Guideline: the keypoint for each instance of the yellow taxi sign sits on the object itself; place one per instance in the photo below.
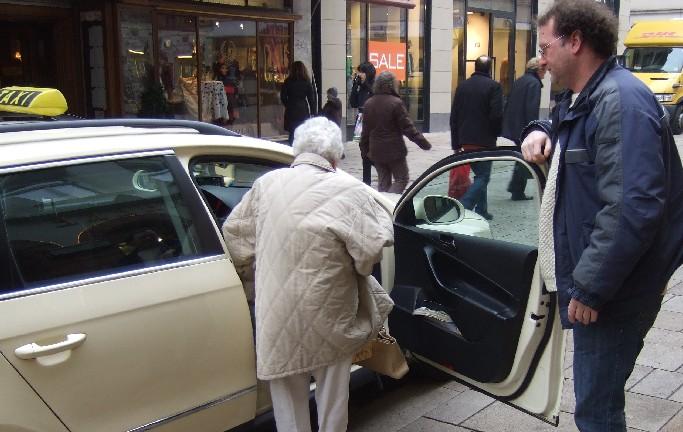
(33, 100)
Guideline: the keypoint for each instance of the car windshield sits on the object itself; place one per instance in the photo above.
(654, 59)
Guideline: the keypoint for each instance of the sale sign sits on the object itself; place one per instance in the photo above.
(389, 56)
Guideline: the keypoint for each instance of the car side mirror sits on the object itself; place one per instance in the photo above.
(621, 61)
(442, 210)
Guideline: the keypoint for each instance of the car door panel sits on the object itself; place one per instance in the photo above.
(473, 305)
(150, 353)
(486, 312)
(20, 407)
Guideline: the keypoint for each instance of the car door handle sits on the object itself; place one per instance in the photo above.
(33, 350)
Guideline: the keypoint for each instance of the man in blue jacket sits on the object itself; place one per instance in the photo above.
(611, 218)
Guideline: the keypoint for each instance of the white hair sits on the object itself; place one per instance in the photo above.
(320, 136)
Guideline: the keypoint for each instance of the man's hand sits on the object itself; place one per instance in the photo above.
(536, 147)
(578, 311)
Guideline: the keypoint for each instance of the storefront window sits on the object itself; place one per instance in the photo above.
(273, 67)
(141, 93)
(523, 36)
(178, 65)
(356, 47)
(492, 5)
(415, 68)
(477, 39)
(458, 42)
(272, 4)
(502, 35)
(229, 90)
(391, 38)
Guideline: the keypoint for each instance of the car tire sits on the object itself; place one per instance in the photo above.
(677, 120)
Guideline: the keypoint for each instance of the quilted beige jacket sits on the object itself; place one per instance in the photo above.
(314, 235)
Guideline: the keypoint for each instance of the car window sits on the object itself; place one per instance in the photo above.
(448, 203)
(76, 221)
(224, 182)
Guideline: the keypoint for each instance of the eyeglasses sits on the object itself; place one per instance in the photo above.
(541, 50)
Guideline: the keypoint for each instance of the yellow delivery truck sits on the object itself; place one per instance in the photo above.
(654, 53)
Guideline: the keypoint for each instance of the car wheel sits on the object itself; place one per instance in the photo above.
(677, 120)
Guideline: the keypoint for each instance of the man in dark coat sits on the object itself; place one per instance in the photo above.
(521, 109)
(476, 119)
(611, 218)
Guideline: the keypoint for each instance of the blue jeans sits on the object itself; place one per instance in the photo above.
(476, 198)
(604, 356)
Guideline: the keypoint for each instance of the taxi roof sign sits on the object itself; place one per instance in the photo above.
(47, 102)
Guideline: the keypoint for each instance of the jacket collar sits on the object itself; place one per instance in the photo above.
(580, 106)
(596, 79)
(313, 159)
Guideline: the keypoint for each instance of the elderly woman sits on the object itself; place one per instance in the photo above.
(314, 235)
(385, 121)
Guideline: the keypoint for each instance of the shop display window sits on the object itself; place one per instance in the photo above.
(273, 67)
(178, 65)
(523, 37)
(142, 94)
(228, 64)
(392, 38)
(458, 44)
(356, 48)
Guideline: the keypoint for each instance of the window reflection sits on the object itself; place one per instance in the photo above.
(137, 70)
(177, 65)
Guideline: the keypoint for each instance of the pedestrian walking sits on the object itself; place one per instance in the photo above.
(385, 122)
(313, 236)
(298, 97)
(611, 218)
(361, 90)
(476, 120)
(521, 109)
(332, 110)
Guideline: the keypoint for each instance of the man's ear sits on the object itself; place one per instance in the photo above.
(576, 41)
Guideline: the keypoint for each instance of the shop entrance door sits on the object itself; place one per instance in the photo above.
(491, 33)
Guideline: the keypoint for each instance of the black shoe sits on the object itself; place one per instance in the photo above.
(521, 197)
(486, 215)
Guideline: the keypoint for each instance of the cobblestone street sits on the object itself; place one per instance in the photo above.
(655, 390)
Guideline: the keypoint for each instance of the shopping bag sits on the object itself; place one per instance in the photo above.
(459, 181)
(386, 357)
(358, 130)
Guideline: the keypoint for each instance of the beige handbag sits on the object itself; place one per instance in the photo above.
(383, 355)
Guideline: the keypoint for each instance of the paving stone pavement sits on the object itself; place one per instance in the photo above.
(654, 391)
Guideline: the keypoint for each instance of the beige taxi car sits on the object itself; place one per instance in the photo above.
(120, 309)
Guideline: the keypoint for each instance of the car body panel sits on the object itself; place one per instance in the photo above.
(17, 396)
(183, 332)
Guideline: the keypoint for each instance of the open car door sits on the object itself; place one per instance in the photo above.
(469, 297)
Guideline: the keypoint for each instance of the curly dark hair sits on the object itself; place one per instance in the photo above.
(597, 24)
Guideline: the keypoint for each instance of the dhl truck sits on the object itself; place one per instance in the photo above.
(654, 53)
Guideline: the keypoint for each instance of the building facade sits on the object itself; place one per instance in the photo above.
(163, 58)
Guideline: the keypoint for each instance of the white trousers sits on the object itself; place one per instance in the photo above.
(290, 399)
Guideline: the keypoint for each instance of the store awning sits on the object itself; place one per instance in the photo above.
(409, 4)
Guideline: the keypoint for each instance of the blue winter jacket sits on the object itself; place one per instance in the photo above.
(618, 221)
